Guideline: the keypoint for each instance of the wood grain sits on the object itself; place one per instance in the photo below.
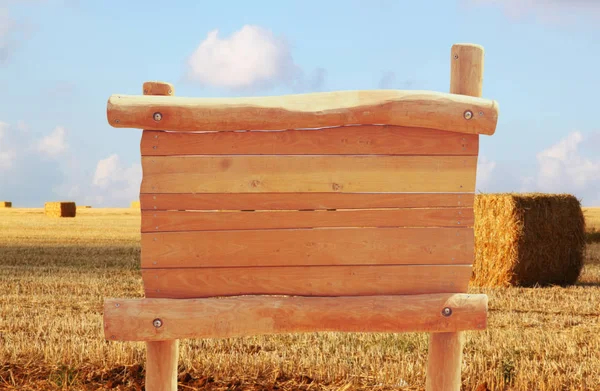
(348, 140)
(444, 360)
(178, 221)
(306, 281)
(230, 317)
(423, 109)
(158, 88)
(284, 174)
(294, 247)
(466, 69)
(162, 358)
(294, 201)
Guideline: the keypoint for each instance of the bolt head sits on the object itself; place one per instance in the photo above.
(157, 323)
(447, 311)
(117, 305)
(157, 116)
(468, 114)
(456, 56)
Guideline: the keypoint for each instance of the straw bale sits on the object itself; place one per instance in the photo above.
(135, 204)
(5, 204)
(528, 239)
(60, 209)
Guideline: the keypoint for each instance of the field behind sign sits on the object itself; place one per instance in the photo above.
(54, 274)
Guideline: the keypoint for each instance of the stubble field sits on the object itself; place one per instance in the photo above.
(55, 273)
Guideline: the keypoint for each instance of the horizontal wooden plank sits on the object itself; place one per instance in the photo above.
(348, 140)
(306, 281)
(284, 174)
(424, 109)
(294, 201)
(132, 319)
(177, 221)
(289, 247)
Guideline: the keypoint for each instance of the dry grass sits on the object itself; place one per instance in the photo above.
(592, 218)
(54, 274)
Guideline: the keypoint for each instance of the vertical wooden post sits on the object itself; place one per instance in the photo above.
(161, 365)
(446, 349)
(161, 356)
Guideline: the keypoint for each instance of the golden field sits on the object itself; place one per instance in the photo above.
(55, 273)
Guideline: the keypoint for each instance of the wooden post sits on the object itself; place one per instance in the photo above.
(446, 349)
(161, 356)
(161, 365)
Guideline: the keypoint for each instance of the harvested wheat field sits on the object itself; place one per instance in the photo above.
(54, 274)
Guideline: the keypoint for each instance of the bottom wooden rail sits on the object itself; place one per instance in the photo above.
(170, 319)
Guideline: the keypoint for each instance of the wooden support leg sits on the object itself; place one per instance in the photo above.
(444, 361)
(161, 365)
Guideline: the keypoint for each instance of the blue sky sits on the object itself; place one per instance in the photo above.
(61, 60)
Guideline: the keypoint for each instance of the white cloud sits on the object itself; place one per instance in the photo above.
(252, 57)
(7, 26)
(562, 168)
(547, 10)
(53, 144)
(115, 183)
(485, 168)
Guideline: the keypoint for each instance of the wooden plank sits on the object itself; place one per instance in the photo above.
(294, 201)
(284, 174)
(177, 221)
(131, 319)
(421, 109)
(306, 281)
(293, 247)
(349, 140)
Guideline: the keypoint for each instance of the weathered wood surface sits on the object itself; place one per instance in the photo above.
(290, 174)
(303, 247)
(422, 109)
(347, 140)
(466, 69)
(158, 88)
(229, 317)
(179, 221)
(306, 281)
(294, 201)
(162, 358)
(444, 360)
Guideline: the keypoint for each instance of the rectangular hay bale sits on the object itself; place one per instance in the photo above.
(527, 239)
(135, 204)
(60, 209)
(5, 204)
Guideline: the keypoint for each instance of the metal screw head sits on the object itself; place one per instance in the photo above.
(157, 116)
(481, 113)
(157, 323)
(468, 114)
(117, 305)
(447, 311)
(154, 147)
(456, 56)
(117, 121)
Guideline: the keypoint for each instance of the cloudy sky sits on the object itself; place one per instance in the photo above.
(61, 60)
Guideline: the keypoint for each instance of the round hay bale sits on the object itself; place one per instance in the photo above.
(528, 239)
(5, 204)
